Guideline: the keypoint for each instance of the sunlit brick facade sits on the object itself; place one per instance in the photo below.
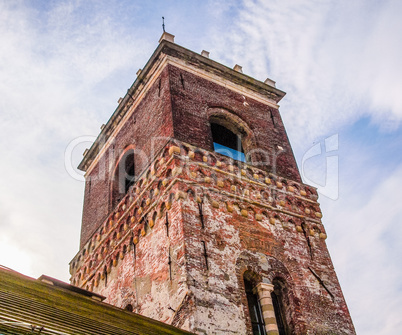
(198, 239)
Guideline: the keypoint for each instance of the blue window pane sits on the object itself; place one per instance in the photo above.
(237, 155)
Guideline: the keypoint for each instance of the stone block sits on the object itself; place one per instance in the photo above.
(174, 150)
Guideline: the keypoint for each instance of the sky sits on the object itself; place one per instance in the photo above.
(64, 64)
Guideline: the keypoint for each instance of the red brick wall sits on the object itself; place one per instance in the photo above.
(147, 129)
(256, 226)
(261, 220)
(181, 108)
(193, 100)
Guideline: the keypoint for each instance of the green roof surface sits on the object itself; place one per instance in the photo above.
(34, 306)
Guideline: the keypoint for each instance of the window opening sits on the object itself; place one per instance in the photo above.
(182, 80)
(273, 119)
(205, 254)
(254, 307)
(278, 314)
(281, 306)
(170, 265)
(124, 177)
(201, 215)
(129, 177)
(227, 143)
(167, 224)
(105, 274)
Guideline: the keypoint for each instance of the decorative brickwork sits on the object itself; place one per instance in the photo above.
(177, 246)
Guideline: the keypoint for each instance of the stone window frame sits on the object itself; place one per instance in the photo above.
(264, 278)
(237, 126)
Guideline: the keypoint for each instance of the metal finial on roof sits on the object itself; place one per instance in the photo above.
(163, 23)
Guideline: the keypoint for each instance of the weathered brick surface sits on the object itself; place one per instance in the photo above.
(196, 100)
(257, 227)
(146, 130)
(181, 105)
(179, 244)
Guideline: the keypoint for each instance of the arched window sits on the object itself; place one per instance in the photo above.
(227, 143)
(124, 177)
(257, 321)
(281, 306)
(128, 172)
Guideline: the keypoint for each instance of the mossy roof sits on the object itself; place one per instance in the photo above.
(31, 306)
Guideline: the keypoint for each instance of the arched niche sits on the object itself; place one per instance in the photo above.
(123, 176)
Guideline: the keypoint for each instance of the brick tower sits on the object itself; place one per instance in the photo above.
(195, 213)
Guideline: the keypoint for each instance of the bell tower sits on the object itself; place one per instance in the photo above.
(195, 213)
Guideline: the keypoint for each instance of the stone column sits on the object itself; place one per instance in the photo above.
(263, 291)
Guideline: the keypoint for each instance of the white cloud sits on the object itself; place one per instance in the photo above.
(336, 60)
(58, 69)
(364, 240)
